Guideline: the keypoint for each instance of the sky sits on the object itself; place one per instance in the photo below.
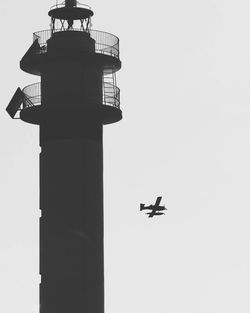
(185, 136)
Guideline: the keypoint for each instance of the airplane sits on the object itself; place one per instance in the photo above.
(155, 208)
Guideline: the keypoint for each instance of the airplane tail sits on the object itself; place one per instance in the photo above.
(142, 206)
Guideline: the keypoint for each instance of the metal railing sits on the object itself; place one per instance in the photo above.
(78, 5)
(111, 95)
(32, 95)
(105, 43)
(42, 37)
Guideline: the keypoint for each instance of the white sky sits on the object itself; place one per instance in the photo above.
(185, 96)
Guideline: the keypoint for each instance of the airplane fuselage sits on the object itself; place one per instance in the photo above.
(154, 208)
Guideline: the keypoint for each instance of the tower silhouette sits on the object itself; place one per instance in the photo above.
(77, 95)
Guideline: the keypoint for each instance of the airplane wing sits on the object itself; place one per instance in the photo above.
(158, 200)
(151, 214)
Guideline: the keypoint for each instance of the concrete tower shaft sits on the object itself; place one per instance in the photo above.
(71, 174)
(71, 226)
(76, 96)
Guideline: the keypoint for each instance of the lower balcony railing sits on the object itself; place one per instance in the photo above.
(32, 95)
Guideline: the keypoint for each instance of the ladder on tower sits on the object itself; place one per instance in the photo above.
(110, 96)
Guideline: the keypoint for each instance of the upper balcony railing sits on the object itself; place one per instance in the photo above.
(105, 43)
(32, 95)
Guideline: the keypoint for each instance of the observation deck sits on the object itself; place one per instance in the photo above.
(31, 108)
(106, 50)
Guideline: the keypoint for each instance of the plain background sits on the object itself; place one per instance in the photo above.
(185, 96)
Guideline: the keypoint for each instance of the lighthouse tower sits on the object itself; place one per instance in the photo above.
(76, 96)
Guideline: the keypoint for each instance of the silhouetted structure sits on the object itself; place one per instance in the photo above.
(155, 208)
(76, 96)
